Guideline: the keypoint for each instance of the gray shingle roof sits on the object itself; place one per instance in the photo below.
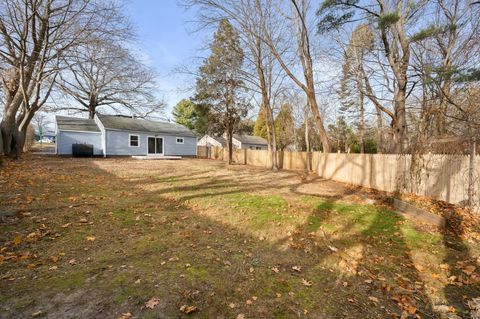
(66, 123)
(250, 139)
(140, 125)
(220, 140)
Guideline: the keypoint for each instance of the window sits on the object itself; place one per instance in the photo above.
(258, 147)
(179, 140)
(134, 141)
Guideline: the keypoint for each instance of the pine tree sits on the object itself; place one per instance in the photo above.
(260, 128)
(285, 127)
(219, 84)
(185, 113)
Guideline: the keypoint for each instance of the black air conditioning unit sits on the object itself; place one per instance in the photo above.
(82, 150)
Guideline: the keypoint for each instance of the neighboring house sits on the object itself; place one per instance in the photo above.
(120, 135)
(208, 140)
(45, 137)
(239, 142)
(249, 142)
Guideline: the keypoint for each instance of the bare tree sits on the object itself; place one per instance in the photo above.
(35, 36)
(393, 18)
(101, 74)
(260, 72)
(294, 20)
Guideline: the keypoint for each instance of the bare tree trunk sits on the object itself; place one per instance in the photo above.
(91, 111)
(399, 122)
(361, 129)
(229, 144)
(380, 148)
(272, 139)
(7, 126)
(307, 139)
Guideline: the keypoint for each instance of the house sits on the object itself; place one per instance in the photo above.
(112, 135)
(47, 136)
(208, 140)
(249, 142)
(239, 142)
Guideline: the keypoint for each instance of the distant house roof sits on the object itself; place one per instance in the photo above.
(250, 139)
(220, 140)
(65, 123)
(123, 123)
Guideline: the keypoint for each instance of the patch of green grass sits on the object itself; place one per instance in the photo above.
(261, 209)
(372, 221)
(73, 280)
(127, 217)
(419, 239)
(197, 272)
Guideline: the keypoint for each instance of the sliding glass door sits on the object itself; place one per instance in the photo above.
(155, 145)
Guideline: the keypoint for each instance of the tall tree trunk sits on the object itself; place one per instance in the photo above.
(7, 125)
(399, 124)
(91, 112)
(312, 101)
(380, 148)
(271, 135)
(307, 139)
(272, 138)
(361, 128)
(229, 144)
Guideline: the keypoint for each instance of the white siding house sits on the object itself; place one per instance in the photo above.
(239, 142)
(208, 140)
(118, 135)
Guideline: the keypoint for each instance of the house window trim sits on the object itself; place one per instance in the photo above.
(130, 140)
(177, 142)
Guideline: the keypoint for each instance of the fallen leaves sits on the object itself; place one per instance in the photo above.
(90, 239)
(307, 282)
(474, 306)
(152, 303)
(17, 240)
(469, 270)
(188, 309)
(333, 248)
(297, 268)
(126, 315)
(374, 299)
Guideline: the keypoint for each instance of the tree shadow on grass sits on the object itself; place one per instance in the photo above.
(373, 255)
(183, 256)
(463, 283)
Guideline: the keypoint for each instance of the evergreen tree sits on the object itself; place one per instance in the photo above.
(219, 85)
(260, 128)
(185, 113)
(285, 127)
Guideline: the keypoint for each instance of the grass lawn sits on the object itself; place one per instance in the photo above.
(105, 238)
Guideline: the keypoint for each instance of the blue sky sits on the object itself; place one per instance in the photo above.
(166, 43)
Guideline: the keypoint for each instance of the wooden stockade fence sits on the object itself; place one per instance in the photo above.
(443, 177)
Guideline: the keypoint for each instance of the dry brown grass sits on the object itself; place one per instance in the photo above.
(100, 237)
